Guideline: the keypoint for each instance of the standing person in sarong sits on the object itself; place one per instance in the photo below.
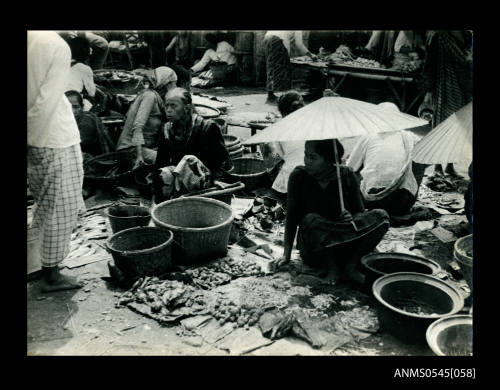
(326, 237)
(447, 75)
(277, 51)
(55, 170)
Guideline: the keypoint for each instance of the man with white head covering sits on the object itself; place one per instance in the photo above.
(389, 178)
(145, 118)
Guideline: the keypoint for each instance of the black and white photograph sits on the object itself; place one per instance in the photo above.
(262, 193)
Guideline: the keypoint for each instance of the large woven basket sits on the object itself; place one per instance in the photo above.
(249, 170)
(201, 227)
(144, 250)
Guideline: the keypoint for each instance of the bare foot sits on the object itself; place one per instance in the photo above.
(63, 282)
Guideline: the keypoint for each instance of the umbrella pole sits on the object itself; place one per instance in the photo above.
(337, 165)
(341, 195)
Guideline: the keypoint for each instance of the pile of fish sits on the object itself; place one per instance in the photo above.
(363, 63)
(342, 54)
(225, 310)
(409, 66)
(441, 183)
(265, 213)
(222, 271)
(163, 300)
(207, 278)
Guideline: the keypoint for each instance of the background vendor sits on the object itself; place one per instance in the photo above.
(187, 133)
(81, 76)
(145, 118)
(219, 51)
(277, 51)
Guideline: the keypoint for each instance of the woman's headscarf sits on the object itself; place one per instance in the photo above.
(158, 77)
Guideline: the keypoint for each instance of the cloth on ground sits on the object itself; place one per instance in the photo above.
(189, 175)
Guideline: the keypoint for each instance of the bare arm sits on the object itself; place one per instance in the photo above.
(171, 44)
(299, 44)
(88, 82)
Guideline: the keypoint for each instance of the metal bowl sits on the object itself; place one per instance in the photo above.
(408, 302)
(451, 336)
(380, 264)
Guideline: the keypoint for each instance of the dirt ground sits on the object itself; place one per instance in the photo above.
(87, 321)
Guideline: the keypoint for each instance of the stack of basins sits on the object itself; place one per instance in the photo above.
(233, 146)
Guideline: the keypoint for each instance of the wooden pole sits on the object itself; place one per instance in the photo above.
(337, 165)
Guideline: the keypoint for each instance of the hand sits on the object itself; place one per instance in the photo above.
(313, 56)
(279, 262)
(138, 162)
(345, 216)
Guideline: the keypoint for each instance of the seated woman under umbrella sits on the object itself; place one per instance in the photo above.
(145, 117)
(191, 151)
(329, 238)
(389, 178)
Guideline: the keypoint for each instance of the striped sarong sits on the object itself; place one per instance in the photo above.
(55, 178)
(448, 74)
(277, 65)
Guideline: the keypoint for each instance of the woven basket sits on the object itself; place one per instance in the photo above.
(201, 227)
(250, 171)
(143, 250)
(95, 169)
(123, 217)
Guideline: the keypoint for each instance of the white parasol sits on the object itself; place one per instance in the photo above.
(449, 142)
(336, 117)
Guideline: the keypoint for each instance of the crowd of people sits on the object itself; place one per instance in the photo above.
(163, 131)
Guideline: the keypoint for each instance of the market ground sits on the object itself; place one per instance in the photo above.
(86, 321)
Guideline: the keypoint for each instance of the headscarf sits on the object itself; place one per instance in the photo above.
(163, 76)
(158, 77)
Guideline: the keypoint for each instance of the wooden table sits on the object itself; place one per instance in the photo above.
(389, 76)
